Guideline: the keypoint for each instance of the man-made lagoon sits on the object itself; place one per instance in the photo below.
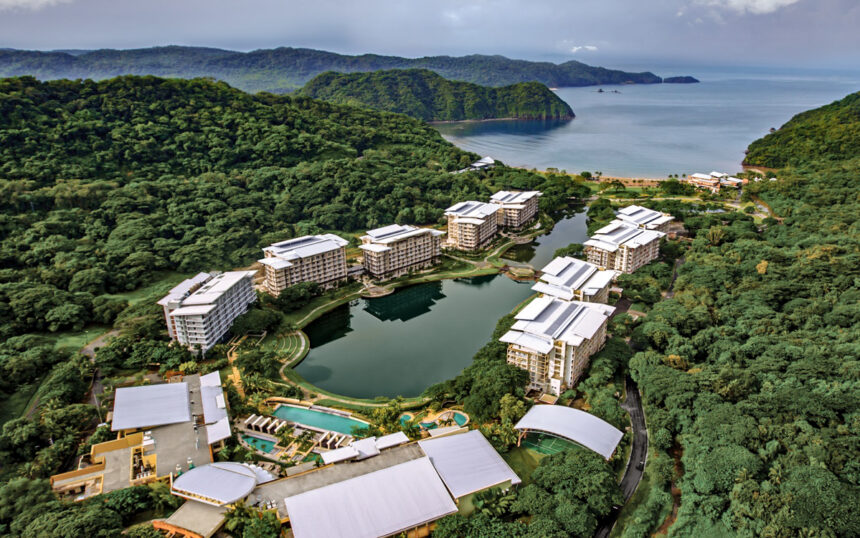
(401, 344)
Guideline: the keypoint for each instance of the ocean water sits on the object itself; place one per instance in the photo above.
(655, 130)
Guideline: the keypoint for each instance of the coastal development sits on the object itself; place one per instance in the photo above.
(200, 310)
(553, 339)
(311, 258)
(623, 247)
(395, 250)
(714, 181)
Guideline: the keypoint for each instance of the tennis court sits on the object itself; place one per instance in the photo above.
(546, 444)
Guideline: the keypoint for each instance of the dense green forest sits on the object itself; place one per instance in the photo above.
(425, 95)
(286, 69)
(831, 132)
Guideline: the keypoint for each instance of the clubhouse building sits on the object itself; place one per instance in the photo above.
(395, 250)
(311, 258)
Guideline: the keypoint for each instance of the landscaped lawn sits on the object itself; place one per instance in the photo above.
(523, 461)
(14, 406)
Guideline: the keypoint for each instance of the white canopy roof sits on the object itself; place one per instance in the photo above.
(578, 426)
(150, 405)
(467, 463)
(380, 503)
(217, 483)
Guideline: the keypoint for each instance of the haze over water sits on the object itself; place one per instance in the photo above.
(655, 130)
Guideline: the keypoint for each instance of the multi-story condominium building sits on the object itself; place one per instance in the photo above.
(200, 310)
(395, 250)
(645, 218)
(473, 225)
(571, 279)
(519, 207)
(312, 258)
(620, 246)
(553, 340)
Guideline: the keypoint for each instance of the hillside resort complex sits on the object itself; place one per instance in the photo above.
(311, 258)
(628, 242)
(553, 340)
(713, 181)
(395, 250)
(473, 225)
(200, 310)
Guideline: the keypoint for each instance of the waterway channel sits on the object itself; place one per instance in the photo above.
(420, 335)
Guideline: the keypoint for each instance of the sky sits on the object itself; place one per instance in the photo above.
(614, 33)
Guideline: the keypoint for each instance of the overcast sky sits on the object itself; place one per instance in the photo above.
(809, 33)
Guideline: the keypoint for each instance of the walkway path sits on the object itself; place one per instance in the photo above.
(235, 377)
(638, 454)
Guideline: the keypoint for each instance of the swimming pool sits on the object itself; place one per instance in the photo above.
(318, 419)
(460, 418)
(259, 443)
(405, 419)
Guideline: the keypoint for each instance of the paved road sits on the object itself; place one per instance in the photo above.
(638, 453)
(90, 351)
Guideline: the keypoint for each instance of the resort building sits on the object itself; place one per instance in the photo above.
(200, 310)
(383, 487)
(572, 424)
(473, 225)
(519, 207)
(162, 430)
(312, 258)
(622, 247)
(395, 250)
(484, 163)
(645, 218)
(571, 279)
(704, 181)
(553, 340)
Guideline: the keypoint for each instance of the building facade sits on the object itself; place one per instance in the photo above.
(200, 310)
(571, 279)
(473, 225)
(394, 250)
(620, 246)
(311, 258)
(553, 341)
(519, 208)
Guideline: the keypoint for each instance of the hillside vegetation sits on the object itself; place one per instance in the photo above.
(426, 95)
(831, 132)
(286, 69)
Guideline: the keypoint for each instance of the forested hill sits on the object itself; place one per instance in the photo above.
(752, 370)
(102, 184)
(428, 96)
(286, 69)
(830, 132)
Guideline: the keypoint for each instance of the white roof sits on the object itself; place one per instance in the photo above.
(366, 447)
(150, 405)
(223, 483)
(306, 246)
(508, 198)
(212, 397)
(196, 310)
(467, 463)
(275, 263)
(373, 247)
(485, 160)
(703, 177)
(394, 233)
(218, 431)
(619, 233)
(578, 426)
(183, 288)
(564, 275)
(643, 217)
(339, 454)
(546, 320)
(472, 210)
(380, 503)
(217, 286)
(391, 440)
(714, 173)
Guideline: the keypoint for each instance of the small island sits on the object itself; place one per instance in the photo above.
(680, 80)
(428, 96)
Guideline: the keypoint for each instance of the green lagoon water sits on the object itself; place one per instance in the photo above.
(401, 344)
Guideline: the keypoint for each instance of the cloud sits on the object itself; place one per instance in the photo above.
(29, 4)
(756, 7)
(577, 48)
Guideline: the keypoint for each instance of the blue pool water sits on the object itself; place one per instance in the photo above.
(460, 418)
(318, 419)
(260, 444)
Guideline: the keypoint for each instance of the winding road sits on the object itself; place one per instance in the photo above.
(638, 454)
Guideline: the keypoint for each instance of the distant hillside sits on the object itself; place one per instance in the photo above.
(680, 80)
(286, 69)
(831, 132)
(426, 95)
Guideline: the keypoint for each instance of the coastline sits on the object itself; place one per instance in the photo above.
(443, 122)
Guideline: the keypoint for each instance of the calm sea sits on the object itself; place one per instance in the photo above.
(655, 130)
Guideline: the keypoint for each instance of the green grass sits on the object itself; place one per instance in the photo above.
(17, 402)
(160, 287)
(301, 317)
(523, 461)
(639, 307)
(77, 340)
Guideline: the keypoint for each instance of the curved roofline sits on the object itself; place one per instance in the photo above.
(574, 425)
